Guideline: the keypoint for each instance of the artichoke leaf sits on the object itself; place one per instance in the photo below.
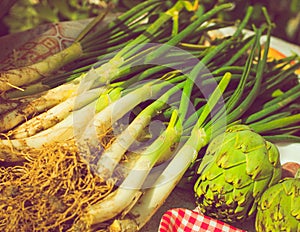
(216, 146)
(243, 196)
(260, 186)
(205, 162)
(248, 141)
(230, 201)
(295, 203)
(212, 172)
(240, 211)
(258, 166)
(202, 188)
(291, 187)
(217, 143)
(272, 152)
(221, 186)
(253, 209)
(279, 212)
(276, 176)
(266, 202)
(209, 195)
(228, 160)
(237, 176)
(238, 127)
(295, 208)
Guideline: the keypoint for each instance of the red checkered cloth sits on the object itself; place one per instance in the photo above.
(184, 220)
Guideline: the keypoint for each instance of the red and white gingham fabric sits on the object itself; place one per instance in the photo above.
(184, 220)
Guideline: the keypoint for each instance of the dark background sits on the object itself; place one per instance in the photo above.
(25, 14)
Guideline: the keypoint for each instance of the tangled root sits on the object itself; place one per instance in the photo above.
(49, 192)
(105, 140)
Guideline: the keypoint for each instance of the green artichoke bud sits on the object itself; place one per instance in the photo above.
(238, 166)
(279, 207)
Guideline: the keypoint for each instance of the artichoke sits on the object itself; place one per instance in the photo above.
(279, 207)
(238, 166)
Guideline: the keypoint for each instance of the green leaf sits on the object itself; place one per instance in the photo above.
(46, 13)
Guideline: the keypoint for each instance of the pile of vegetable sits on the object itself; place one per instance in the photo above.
(97, 136)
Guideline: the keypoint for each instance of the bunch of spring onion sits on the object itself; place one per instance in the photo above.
(59, 102)
(274, 116)
(116, 140)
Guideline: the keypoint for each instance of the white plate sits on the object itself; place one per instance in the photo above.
(289, 152)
